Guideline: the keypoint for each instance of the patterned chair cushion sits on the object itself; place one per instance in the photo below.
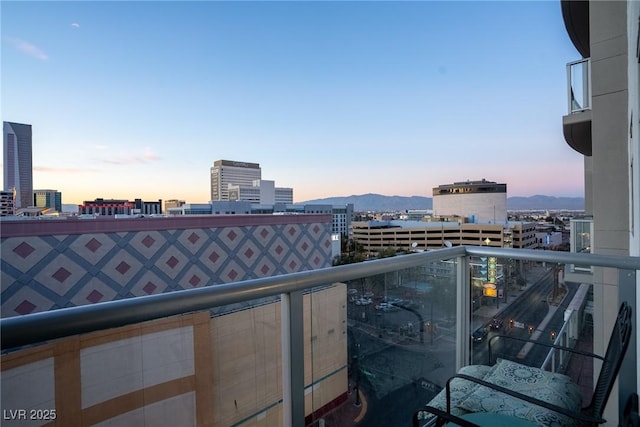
(547, 386)
(460, 389)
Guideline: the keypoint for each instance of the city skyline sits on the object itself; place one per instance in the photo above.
(331, 98)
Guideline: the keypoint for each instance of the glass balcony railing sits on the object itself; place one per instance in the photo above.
(366, 343)
(581, 237)
(579, 85)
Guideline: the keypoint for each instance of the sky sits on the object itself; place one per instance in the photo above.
(332, 98)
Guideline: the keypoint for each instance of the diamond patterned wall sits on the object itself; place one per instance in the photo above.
(43, 270)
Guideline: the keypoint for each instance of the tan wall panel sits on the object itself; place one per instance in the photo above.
(203, 369)
(246, 363)
(30, 386)
(26, 356)
(234, 374)
(52, 379)
(247, 371)
(325, 391)
(137, 399)
(177, 411)
(67, 382)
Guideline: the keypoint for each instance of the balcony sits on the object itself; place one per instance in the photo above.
(364, 344)
(581, 237)
(577, 123)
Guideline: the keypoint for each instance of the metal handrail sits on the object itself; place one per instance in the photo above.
(43, 326)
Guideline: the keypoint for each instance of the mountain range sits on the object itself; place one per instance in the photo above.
(381, 203)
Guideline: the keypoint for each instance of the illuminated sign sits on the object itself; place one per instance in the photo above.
(492, 269)
(489, 292)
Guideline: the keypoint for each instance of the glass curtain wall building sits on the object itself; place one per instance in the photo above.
(18, 163)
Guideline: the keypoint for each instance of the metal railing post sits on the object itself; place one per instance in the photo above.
(628, 381)
(291, 306)
(463, 312)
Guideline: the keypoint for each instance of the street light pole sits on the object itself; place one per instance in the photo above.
(356, 368)
(431, 321)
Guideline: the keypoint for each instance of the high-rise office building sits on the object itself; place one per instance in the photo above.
(48, 199)
(18, 165)
(225, 172)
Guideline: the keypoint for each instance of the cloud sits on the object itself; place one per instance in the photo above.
(75, 25)
(68, 171)
(147, 156)
(28, 49)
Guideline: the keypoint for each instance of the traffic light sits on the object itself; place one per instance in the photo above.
(553, 335)
(510, 323)
(530, 330)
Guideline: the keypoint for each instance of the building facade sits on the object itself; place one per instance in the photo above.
(284, 195)
(226, 172)
(112, 207)
(375, 236)
(480, 201)
(18, 163)
(342, 216)
(173, 203)
(51, 199)
(191, 370)
(216, 367)
(602, 123)
(7, 207)
(49, 264)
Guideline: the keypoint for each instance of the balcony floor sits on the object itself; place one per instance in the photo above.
(580, 369)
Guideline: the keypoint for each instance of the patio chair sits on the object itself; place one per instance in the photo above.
(532, 394)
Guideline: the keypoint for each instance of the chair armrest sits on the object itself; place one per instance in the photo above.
(572, 414)
(443, 415)
(559, 347)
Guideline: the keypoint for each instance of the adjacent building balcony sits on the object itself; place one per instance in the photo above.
(366, 343)
(581, 238)
(577, 123)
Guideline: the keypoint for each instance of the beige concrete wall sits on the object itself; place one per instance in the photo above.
(246, 359)
(180, 371)
(609, 164)
(486, 207)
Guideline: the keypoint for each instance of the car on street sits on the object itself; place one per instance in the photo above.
(496, 324)
(385, 306)
(480, 334)
(363, 301)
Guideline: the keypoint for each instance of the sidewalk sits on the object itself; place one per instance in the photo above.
(347, 414)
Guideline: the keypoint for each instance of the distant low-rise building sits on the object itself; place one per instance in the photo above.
(173, 203)
(51, 199)
(112, 207)
(549, 239)
(342, 215)
(7, 205)
(375, 236)
(261, 191)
